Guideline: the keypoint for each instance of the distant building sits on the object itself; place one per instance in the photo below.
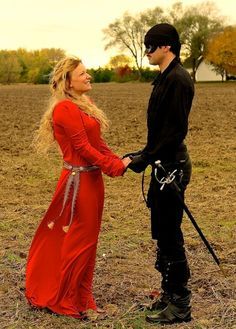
(205, 72)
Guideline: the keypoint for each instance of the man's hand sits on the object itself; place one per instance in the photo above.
(138, 163)
(132, 154)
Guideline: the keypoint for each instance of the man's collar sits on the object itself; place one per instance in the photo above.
(162, 75)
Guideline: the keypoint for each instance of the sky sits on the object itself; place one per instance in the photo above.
(76, 25)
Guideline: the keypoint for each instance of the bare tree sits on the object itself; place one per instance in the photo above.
(127, 33)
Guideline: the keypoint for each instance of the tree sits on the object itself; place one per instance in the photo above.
(22, 55)
(127, 33)
(38, 64)
(101, 75)
(195, 28)
(119, 61)
(10, 68)
(221, 51)
(28, 66)
(53, 55)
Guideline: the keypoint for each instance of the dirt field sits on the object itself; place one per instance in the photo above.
(124, 272)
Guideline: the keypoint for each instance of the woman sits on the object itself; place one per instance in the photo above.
(61, 260)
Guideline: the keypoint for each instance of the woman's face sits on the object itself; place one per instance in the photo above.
(80, 80)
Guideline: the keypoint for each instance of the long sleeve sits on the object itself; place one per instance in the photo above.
(104, 149)
(69, 116)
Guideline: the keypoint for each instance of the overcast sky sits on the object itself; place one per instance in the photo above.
(75, 25)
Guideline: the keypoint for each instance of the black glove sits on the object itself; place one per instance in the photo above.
(138, 163)
(131, 154)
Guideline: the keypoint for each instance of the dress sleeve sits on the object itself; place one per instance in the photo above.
(68, 115)
(104, 149)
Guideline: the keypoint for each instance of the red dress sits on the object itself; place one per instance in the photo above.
(60, 265)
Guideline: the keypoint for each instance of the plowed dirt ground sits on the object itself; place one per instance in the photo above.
(125, 274)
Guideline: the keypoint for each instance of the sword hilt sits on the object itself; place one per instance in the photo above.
(158, 164)
(168, 178)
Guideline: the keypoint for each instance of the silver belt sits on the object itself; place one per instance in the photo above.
(73, 179)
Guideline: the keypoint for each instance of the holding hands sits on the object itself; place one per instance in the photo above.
(128, 157)
(137, 161)
(126, 161)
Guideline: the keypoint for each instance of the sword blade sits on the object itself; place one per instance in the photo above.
(192, 219)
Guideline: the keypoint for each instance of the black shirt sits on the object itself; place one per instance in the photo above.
(167, 116)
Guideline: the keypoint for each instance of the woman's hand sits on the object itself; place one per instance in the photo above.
(126, 161)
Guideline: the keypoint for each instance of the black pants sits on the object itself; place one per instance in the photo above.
(166, 219)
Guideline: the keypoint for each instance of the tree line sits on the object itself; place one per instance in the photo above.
(22, 66)
(203, 33)
(28, 66)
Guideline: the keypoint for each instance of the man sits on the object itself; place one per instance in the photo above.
(167, 123)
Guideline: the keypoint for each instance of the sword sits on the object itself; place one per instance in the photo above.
(169, 178)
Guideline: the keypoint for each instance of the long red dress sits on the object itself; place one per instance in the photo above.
(60, 265)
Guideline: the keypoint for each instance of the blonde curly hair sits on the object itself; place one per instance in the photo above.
(60, 89)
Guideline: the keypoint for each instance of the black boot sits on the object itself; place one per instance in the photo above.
(177, 310)
(161, 303)
(175, 275)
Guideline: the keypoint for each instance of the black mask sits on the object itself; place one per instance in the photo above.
(151, 48)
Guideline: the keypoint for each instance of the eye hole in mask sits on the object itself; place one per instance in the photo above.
(151, 48)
